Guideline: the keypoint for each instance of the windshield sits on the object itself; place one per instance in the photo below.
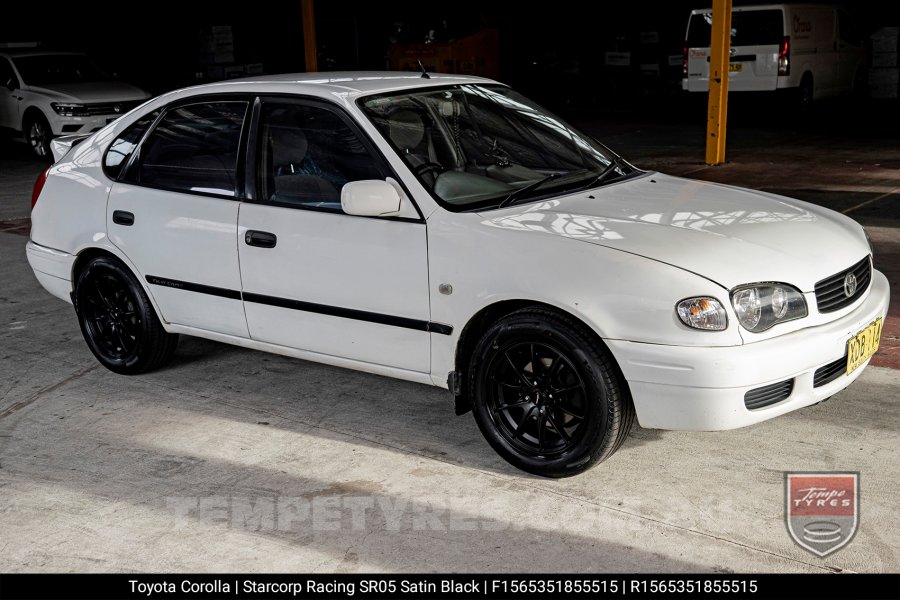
(58, 68)
(476, 146)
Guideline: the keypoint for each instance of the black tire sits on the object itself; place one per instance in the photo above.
(38, 135)
(117, 319)
(557, 419)
(805, 95)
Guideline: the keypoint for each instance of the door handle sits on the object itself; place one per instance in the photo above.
(122, 217)
(260, 239)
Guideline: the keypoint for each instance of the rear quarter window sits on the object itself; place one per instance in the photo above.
(122, 147)
(748, 28)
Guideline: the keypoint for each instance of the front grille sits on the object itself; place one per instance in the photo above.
(770, 394)
(830, 295)
(830, 372)
(109, 108)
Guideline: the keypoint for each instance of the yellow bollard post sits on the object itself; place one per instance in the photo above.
(717, 112)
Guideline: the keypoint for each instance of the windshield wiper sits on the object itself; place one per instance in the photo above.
(519, 194)
(615, 163)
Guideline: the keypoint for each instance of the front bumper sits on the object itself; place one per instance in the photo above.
(702, 388)
(53, 269)
(72, 125)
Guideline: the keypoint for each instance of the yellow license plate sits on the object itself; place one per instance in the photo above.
(735, 67)
(863, 345)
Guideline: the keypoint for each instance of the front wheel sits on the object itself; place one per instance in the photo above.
(546, 396)
(117, 320)
(38, 136)
(805, 95)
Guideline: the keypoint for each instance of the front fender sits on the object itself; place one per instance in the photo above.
(618, 295)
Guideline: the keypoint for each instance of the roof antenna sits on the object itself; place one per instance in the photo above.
(425, 74)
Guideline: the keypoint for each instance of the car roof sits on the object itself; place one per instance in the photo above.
(339, 82)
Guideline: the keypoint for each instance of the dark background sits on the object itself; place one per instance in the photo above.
(553, 53)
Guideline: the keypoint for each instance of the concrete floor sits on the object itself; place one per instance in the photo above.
(236, 460)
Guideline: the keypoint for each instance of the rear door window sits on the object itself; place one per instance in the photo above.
(194, 148)
(748, 28)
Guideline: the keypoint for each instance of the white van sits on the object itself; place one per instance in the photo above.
(814, 50)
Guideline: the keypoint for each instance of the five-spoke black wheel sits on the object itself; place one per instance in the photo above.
(117, 319)
(546, 395)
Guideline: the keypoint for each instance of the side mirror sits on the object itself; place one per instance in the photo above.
(11, 84)
(370, 198)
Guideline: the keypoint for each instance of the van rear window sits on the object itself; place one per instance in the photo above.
(748, 28)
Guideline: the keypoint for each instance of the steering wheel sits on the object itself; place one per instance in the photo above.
(429, 167)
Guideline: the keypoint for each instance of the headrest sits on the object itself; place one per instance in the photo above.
(289, 145)
(406, 129)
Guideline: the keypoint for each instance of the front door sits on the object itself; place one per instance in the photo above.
(315, 278)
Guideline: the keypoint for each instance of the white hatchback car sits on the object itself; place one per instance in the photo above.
(448, 231)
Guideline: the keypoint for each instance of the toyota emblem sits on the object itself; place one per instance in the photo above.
(117, 108)
(849, 284)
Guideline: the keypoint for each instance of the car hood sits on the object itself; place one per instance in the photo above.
(94, 91)
(729, 235)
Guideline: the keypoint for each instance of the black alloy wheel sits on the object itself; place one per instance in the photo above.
(537, 399)
(546, 394)
(117, 319)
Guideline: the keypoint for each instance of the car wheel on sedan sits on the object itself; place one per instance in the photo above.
(117, 319)
(546, 395)
(38, 136)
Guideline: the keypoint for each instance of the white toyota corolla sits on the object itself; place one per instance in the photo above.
(448, 231)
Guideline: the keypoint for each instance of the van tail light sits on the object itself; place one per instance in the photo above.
(784, 56)
(38, 186)
(684, 62)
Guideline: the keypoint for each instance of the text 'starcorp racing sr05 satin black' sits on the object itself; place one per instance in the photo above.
(448, 231)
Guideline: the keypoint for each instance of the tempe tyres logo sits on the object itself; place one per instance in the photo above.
(822, 510)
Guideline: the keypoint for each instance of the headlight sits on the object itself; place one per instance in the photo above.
(702, 313)
(66, 109)
(761, 306)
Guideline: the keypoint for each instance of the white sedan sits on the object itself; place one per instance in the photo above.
(448, 231)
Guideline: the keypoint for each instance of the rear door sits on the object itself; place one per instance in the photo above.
(174, 214)
(756, 35)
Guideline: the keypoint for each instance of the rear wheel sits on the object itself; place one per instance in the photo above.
(38, 136)
(117, 319)
(805, 95)
(546, 396)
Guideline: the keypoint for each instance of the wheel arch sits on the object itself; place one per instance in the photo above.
(86, 254)
(30, 113)
(482, 320)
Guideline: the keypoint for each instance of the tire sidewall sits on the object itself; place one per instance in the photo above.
(102, 266)
(594, 435)
(29, 123)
